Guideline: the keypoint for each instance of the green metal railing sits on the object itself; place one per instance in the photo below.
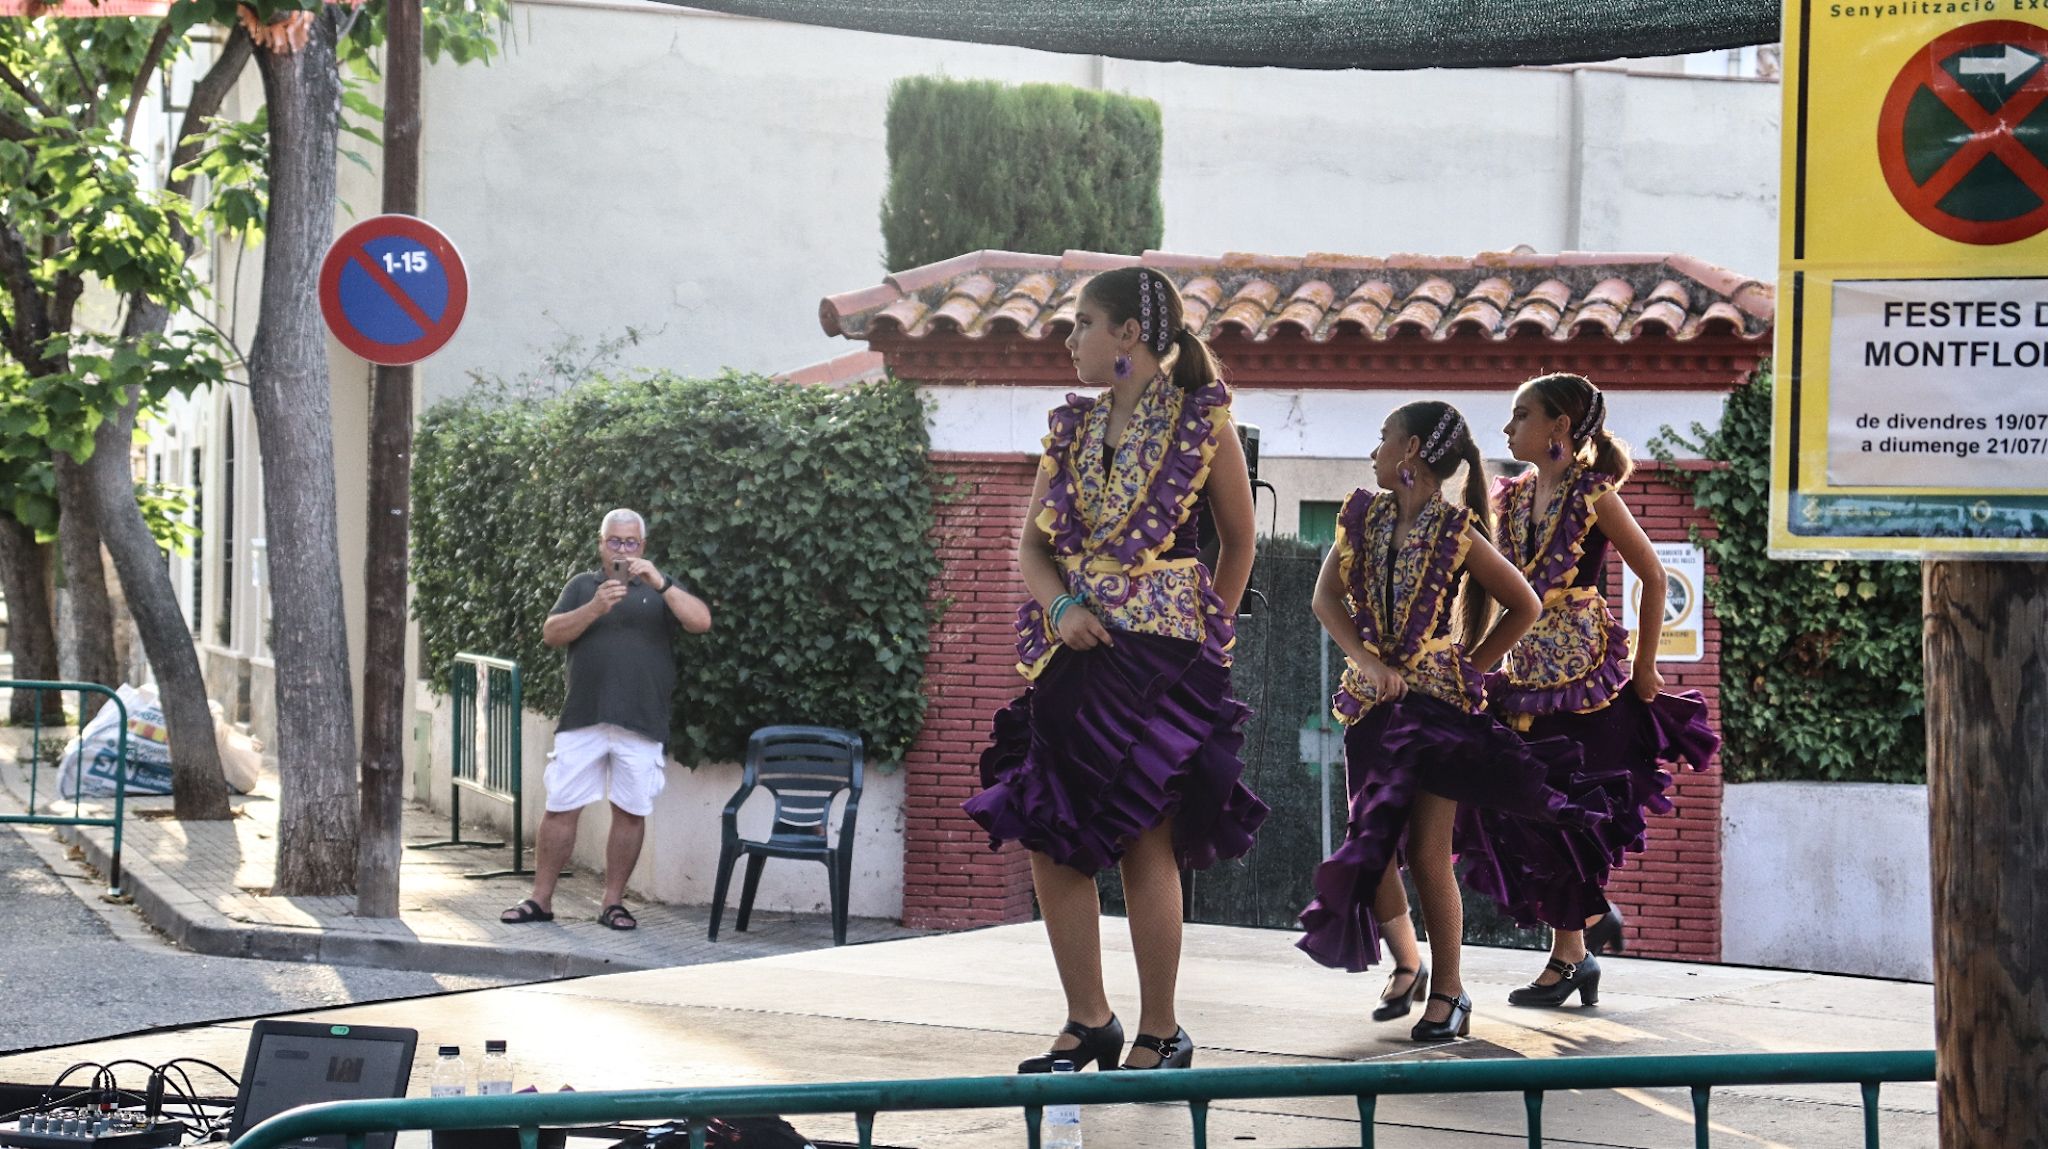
(487, 691)
(1367, 1082)
(78, 816)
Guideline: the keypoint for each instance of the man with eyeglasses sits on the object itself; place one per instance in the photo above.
(619, 623)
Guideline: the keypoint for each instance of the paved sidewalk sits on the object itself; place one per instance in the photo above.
(206, 885)
(974, 1003)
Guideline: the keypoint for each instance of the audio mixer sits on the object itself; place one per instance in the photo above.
(89, 1128)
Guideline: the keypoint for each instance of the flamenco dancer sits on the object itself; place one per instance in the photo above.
(1418, 743)
(1124, 751)
(1571, 675)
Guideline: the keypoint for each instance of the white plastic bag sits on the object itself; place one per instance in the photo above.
(98, 749)
(241, 757)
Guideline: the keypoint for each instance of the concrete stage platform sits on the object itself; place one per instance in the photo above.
(974, 1003)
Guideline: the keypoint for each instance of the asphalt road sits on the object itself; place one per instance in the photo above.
(72, 969)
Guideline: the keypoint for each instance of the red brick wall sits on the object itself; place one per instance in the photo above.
(951, 879)
(1671, 893)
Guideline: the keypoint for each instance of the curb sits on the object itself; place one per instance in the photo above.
(194, 926)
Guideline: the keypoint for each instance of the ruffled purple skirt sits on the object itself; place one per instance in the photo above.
(1110, 742)
(1421, 743)
(1625, 748)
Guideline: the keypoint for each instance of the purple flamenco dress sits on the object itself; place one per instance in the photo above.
(1109, 743)
(1568, 678)
(1436, 738)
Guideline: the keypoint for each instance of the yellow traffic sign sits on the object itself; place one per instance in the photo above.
(1912, 361)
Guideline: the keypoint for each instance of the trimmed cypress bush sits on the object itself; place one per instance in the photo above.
(1036, 167)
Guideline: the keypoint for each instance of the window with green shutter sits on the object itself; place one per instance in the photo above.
(1318, 521)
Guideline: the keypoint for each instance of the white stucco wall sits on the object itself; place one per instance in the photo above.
(679, 861)
(1294, 424)
(1827, 876)
(707, 179)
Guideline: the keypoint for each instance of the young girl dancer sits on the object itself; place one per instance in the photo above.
(1124, 751)
(1571, 675)
(1418, 743)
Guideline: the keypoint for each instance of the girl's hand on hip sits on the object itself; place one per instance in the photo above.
(1080, 629)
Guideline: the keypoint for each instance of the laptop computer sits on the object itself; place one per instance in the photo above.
(294, 1063)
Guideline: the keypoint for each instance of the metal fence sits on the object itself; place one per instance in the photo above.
(1366, 1082)
(78, 816)
(486, 700)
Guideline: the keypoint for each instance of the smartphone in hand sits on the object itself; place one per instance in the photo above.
(615, 570)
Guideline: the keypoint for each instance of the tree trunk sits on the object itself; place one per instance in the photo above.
(85, 576)
(384, 570)
(1987, 783)
(31, 625)
(198, 790)
(288, 392)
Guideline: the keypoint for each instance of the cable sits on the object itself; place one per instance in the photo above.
(230, 1078)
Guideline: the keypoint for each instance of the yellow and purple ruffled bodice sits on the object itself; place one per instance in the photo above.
(1575, 659)
(1400, 597)
(1125, 534)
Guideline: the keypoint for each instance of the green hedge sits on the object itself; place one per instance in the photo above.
(799, 514)
(1820, 661)
(1039, 167)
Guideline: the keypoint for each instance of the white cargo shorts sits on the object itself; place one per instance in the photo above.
(591, 760)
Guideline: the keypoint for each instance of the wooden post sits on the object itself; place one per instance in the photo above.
(384, 574)
(1987, 785)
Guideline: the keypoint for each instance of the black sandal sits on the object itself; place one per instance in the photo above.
(526, 911)
(618, 917)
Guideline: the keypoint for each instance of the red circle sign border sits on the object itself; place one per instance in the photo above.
(1891, 134)
(349, 244)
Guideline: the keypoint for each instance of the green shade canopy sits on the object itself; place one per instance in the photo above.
(1375, 34)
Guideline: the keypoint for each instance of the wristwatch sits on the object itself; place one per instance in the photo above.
(667, 581)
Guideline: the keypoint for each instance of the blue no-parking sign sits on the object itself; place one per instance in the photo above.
(393, 289)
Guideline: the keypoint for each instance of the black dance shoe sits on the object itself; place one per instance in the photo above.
(1100, 1046)
(1582, 978)
(1604, 936)
(1458, 1024)
(1176, 1052)
(1393, 1007)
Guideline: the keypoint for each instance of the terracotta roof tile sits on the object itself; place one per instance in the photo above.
(1321, 297)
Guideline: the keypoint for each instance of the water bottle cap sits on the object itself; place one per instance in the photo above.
(494, 1047)
(1064, 1066)
(451, 1051)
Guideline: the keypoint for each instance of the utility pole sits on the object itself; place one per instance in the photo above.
(384, 573)
(1987, 788)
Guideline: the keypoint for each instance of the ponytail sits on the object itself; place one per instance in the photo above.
(1197, 367)
(1475, 606)
(1611, 456)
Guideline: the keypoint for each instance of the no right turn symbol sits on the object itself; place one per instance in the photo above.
(1963, 136)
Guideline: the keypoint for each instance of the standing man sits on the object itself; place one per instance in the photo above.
(619, 623)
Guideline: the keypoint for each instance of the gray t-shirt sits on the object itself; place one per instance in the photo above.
(622, 668)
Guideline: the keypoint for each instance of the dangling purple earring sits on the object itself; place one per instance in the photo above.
(1407, 476)
(1556, 449)
(1123, 367)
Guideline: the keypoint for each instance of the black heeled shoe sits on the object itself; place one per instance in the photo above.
(1176, 1052)
(1458, 1024)
(1582, 978)
(1395, 1007)
(1100, 1045)
(1605, 934)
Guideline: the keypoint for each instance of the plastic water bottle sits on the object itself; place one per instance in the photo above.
(1062, 1121)
(451, 1077)
(494, 1073)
